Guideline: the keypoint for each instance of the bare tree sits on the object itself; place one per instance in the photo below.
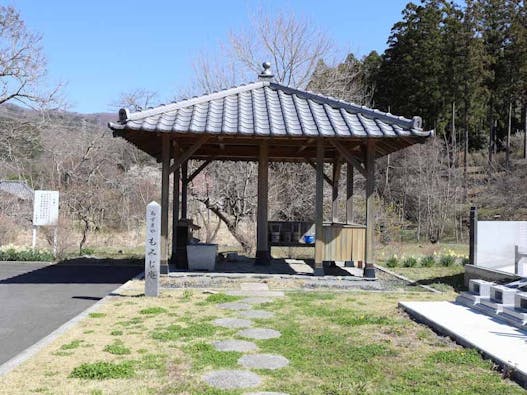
(22, 63)
(136, 100)
(346, 81)
(292, 44)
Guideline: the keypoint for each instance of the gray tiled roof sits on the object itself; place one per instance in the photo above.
(17, 188)
(265, 108)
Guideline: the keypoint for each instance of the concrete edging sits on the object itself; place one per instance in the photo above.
(29, 352)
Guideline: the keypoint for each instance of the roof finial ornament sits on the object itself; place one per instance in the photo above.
(266, 73)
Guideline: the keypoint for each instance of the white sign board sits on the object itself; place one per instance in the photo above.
(46, 208)
(152, 249)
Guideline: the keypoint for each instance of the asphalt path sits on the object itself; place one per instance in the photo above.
(36, 299)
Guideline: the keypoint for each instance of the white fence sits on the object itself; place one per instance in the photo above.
(496, 243)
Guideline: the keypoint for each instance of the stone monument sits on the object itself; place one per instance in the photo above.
(152, 249)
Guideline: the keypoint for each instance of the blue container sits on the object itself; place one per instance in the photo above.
(309, 239)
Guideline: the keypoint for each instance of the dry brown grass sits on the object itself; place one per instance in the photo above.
(338, 343)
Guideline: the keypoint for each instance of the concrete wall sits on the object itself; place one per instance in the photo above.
(476, 272)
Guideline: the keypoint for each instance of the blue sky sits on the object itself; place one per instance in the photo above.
(102, 49)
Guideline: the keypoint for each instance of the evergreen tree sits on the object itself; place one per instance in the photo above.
(412, 69)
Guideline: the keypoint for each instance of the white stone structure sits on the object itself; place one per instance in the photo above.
(152, 249)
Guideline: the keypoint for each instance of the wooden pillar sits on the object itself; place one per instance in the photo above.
(369, 268)
(165, 180)
(184, 189)
(349, 193)
(263, 256)
(335, 190)
(319, 210)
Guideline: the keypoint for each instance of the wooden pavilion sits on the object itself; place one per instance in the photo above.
(265, 121)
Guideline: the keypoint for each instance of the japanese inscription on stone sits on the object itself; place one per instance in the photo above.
(152, 249)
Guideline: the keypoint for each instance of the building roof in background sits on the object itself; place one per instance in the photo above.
(17, 188)
(265, 108)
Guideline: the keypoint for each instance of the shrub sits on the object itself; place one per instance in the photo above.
(447, 260)
(465, 260)
(428, 261)
(103, 370)
(410, 262)
(12, 253)
(87, 251)
(392, 262)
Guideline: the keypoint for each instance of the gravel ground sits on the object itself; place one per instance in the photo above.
(384, 281)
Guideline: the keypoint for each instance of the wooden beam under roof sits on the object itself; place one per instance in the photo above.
(246, 148)
(349, 158)
(186, 155)
(314, 166)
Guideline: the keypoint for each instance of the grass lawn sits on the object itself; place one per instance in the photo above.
(337, 343)
(442, 278)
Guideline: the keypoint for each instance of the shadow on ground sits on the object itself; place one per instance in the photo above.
(455, 281)
(80, 271)
(244, 264)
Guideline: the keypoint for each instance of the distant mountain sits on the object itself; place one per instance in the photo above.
(15, 112)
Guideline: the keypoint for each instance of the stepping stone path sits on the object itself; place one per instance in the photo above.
(233, 323)
(262, 314)
(263, 361)
(255, 293)
(234, 345)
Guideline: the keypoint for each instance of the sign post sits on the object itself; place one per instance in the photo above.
(46, 213)
(152, 249)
